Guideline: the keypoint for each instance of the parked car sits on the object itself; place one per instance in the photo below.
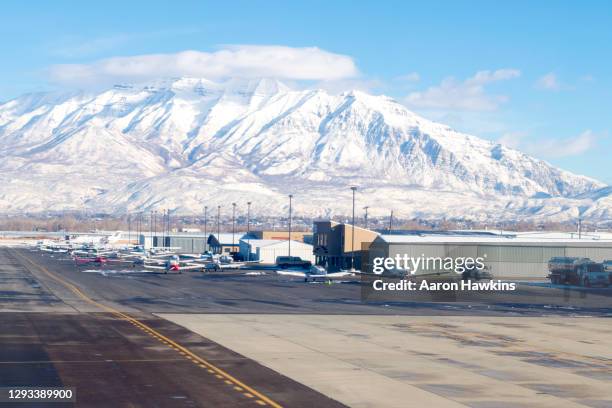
(577, 271)
(292, 261)
(476, 274)
(212, 266)
(607, 264)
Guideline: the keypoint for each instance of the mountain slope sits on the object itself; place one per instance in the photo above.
(187, 142)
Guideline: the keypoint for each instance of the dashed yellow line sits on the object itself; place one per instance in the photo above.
(238, 385)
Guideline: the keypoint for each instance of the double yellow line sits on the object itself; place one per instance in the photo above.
(227, 378)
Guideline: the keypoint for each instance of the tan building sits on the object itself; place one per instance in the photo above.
(334, 247)
(302, 236)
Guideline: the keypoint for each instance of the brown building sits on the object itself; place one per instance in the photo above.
(302, 236)
(334, 247)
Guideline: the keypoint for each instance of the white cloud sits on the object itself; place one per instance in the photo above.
(342, 85)
(548, 82)
(551, 148)
(310, 63)
(469, 94)
(512, 139)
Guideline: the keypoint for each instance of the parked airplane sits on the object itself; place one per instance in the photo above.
(317, 272)
(97, 260)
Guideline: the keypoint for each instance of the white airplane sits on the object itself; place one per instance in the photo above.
(317, 272)
(173, 264)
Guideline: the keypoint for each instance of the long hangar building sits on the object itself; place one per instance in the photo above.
(519, 255)
(508, 255)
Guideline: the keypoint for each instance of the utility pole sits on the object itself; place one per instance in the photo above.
(233, 224)
(248, 231)
(580, 228)
(366, 217)
(289, 248)
(205, 227)
(391, 221)
(353, 232)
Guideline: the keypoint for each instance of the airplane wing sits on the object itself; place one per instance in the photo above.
(340, 274)
(150, 261)
(236, 265)
(330, 276)
(125, 261)
(162, 268)
(198, 260)
(191, 267)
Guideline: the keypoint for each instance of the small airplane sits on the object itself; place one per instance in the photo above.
(170, 264)
(317, 272)
(97, 260)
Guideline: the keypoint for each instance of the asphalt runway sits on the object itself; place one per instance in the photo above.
(264, 291)
(59, 339)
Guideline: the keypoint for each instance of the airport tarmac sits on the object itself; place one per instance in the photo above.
(62, 337)
(243, 291)
(293, 343)
(432, 361)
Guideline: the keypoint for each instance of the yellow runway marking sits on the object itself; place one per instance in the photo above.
(197, 359)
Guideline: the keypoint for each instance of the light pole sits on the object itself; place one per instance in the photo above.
(151, 228)
(169, 220)
(139, 226)
(289, 248)
(129, 229)
(391, 221)
(233, 224)
(353, 232)
(163, 232)
(248, 231)
(205, 227)
(219, 226)
(167, 228)
(155, 225)
(366, 217)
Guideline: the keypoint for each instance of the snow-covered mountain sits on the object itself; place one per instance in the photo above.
(185, 143)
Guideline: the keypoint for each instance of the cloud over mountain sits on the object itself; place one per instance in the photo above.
(244, 61)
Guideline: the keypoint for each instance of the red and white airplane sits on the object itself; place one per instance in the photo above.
(97, 260)
(172, 264)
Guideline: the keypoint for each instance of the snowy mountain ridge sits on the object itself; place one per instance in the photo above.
(188, 142)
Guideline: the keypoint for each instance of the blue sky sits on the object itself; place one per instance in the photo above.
(535, 75)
